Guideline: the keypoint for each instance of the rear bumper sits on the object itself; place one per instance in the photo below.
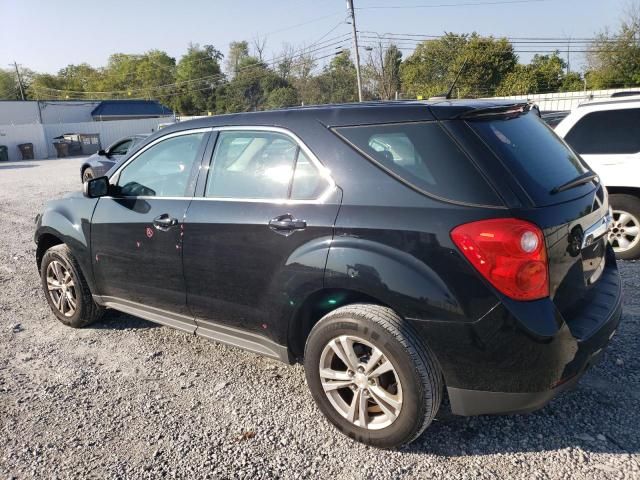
(478, 402)
(520, 355)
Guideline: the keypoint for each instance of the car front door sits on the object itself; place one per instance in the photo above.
(136, 234)
(256, 240)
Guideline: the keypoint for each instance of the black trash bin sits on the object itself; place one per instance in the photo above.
(62, 149)
(26, 149)
(4, 153)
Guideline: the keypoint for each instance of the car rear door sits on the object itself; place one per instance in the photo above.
(256, 240)
(136, 234)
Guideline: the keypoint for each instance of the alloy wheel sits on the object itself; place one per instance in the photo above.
(360, 382)
(625, 231)
(62, 288)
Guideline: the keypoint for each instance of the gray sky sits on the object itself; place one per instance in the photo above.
(47, 35)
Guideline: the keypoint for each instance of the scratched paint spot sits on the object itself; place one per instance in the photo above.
(149, 232)
(138, 244)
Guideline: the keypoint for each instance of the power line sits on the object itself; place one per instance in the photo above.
(444, 5)
(291, 27)
(564, 40)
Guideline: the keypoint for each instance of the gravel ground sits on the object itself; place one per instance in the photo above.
(128, 399)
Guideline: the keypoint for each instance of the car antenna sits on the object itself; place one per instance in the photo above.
(447, 96)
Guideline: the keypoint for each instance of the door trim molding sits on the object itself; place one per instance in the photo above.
(153, 314)
(235, 337)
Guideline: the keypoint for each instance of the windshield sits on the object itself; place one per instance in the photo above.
(539, 159)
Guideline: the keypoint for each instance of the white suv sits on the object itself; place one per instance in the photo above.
(606, 133)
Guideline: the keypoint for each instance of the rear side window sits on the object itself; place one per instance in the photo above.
(262, 165)
(538, 158)
(610, 132)
(425, 156)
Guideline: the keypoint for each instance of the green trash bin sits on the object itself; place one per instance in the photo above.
(4, 153)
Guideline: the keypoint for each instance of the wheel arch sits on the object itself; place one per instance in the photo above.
(633, 191)
(44, 242)
(82, 169)
(67, 221)
(317, 305)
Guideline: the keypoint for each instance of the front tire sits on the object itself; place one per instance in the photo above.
(625, 233)
(371, 376)
(66, 289)
(88, 174)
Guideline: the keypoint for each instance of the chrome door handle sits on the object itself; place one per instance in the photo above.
(286, 224)
(164, 222)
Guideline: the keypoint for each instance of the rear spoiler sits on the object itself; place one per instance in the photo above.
(501, 110)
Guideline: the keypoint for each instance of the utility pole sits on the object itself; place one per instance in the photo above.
(15, 64)
(355, 46)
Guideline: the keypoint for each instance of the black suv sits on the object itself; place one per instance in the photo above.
(398, 249)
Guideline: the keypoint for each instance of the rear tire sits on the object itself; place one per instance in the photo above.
(386, 410)
(625, 233)
(66, 289)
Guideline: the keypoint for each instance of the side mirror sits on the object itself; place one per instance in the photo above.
(102, 152)
(96, 187)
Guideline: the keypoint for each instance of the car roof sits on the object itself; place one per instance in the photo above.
(631, 100)
(348, 114)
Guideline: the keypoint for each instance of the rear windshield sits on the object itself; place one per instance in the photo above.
(424, 156)
(538, 158)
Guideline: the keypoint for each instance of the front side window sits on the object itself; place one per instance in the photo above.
(164, 169)
(262, 165)
(608, 132)
(121, 148)
(423, 155)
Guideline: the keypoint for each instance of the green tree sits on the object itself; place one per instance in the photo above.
(8, 86)
(434, 64)
(337, 82)
(198, 76)
(237, 52)
(154, 70)
(572, 82)
(614, 59)
(44, 86)
(382, 71)
(250, 88)
(545, 73)
(137, 76)
(282, 97)
(303, 79)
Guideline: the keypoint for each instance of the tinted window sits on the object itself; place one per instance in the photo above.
(613, 132)
(164, 169)
(537, 157)
(425, 156)
(121, 148)
(252, 165)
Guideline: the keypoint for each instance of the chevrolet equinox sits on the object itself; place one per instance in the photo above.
(401, 250)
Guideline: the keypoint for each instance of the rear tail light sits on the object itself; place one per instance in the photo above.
(509, 253)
